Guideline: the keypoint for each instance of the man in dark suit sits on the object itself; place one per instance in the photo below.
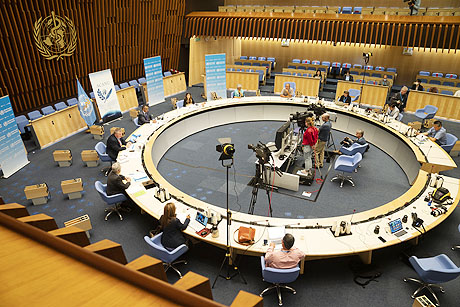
(345, 98)
(115, 144)
(144, 116)
(115, 184)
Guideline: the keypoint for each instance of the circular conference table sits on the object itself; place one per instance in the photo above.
(417, 156)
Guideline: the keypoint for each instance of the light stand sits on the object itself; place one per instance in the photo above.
(366, 61)
(228, 260)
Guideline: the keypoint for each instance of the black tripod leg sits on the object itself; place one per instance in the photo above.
(220, 270)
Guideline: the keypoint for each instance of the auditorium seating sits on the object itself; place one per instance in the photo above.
(141, 80)
(347, 10)
(48, 110)
(451, 76)
(22, 122)
(126, 85)
(438, 74)
(117, 87)
(424, 73)
(305, 61)
(357, 10)
(34, 115)
(60, 106)
(72, 102)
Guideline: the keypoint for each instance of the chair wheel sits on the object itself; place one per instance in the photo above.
(442, 290)
(412, 296)
(405, 279)
(294, 292)
(185, 262)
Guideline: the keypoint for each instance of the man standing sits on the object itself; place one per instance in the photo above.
(115, 144)
(286, 258)
(437, 133)
(287, 91)
(144, 116)
(323, 137)
(400, 99)
(414, 6)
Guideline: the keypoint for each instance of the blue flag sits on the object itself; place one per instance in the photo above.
(85, 105)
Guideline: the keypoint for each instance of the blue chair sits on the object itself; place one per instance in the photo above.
(357, 10)
(243, 57)
(400, 117)
(346, 65)
(370, 82)
(60, 106)
(135, 84)
(346, 164)
(261, 75)
(376, 75)
(438, 74)
(238, 63)
(302, 67)
(437, 82)
(427, 112)
(292, 66)
(136, 121)
(247, 63)
(306, 75)
(451, 140)
(279, 278)
(433, 271)
(451, 76)
(48, 110)
(292, 84)
(446, 92)
(390, 77)
(456, 247)
(253, 58)
(180, 104)
(311, 68)
(22, 122)
(34, 115)
(347, 10)
(305, 61)
(117, 87)
(423, 80)
(91, 95)
(391, 69)
(262, 58)
(167, 73)
(380, 68)
(296, 61)
(354, 94)
(354, 72)
(424, 73)
(255, 64)
(366, 74)
(72, 102)
(357, 66)
(316, 62)
(168, 257)
(101, 150)
(273, 61)
(448, 83)
(321, 69)
(141, 80)
(354, 149)
(114, 200)
(286, 73)
(230, 69)
(326, 63)
(369, 67)
(124, 85)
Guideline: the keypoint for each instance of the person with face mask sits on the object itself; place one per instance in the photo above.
(417, 86)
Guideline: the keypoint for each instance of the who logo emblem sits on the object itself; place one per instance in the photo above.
(55, 36)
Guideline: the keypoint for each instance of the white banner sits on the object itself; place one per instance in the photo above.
(106, 96)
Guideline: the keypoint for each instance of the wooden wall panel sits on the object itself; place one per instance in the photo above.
(341, 3)
(115, 34)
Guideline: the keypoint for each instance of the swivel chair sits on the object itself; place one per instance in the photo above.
(456, 247)
(346, 164)
(400, 117)
(434, 270)
(180, 104)
(114, 200)
(168, 257)
(101, 150)
(427, 112)
(278, 277)
(451, 140)
(353, 149)
(136, 121)
(354, 94)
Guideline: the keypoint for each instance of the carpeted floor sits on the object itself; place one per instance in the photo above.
(325, 282)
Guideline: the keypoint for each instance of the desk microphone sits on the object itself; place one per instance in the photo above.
(354, 210)
(428, 152)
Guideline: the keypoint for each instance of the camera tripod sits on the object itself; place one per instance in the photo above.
(258, 181)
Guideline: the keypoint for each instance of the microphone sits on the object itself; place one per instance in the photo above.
(428, 152)
(354, 210)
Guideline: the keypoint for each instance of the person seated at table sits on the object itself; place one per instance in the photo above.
(286, 258)
(400, 99)
(345, 98)
(117, 183)
(172, 228)
(434, 90)
(348, 76)
(393, 111)
(238, 93)
(437, 133)
(287, 91)
(115, 144)
(188, 100)
(385, 81)
(144, 117)
(457, 93)
(417, 86)
(347, 142)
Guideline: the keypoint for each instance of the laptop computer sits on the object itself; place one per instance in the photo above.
(199, 222)
(396, 228)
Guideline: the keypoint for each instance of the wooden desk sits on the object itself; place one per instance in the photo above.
(241, 68)
(427, 86)
(57, 126)
(248, 80)
(306, 73)
(373, 95)
(316, 241)
(448, 106)
(441, 79)
(306, 85)
(174, 84)
(127, 98)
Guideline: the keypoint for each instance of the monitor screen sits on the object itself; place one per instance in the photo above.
(395, 225)
(202, 219)
(281, 133)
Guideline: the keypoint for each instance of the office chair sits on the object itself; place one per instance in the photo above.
(424, 73)
(124, 85)
(292, 84)
(346, 164)
(180, 104)
(22, 122)
(60, 106)
(456, 246)
(168, 257)
(427, 112)
(434, 270)
(278, 277)
(136, 121)
(354, 149)
(354, 94)
(101, 150)
(114, 200)
(400, 117)
(135, 84)
(451, 140)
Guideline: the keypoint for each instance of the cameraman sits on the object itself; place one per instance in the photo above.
(414, 6)
(310, 137)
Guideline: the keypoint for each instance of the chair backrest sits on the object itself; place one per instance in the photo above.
(434, 272)
(446, 92)
(72, 102)
(451, 76)
(167, 73)
(243, 57)
(357, 66)
(261, 58)
(380, 68)
(292, 84)
(286, 73)
(22, 122)
(278, 276)
(438, 82)
(400, 116)
(141, 80)
(316, 62)
(326, 63)
(358, 156)
(136, 121)
(354, 94)
(255, 64)
(253, 58)
(438, 74)
(391, 69)
(101, 189)
(124, 85)
(60, 106)
(424, 73)
(180, 104)
(117, 87)
(377, 75)
(450, 143)
(448, 83)
(346, 10)
(48, 110)
(162, 253)
(346, 65)
(91, 95)
(101, 150)
(247, 63)
(430, 109)
(34, 115)
(302, 67)
(296, 61)
(357, 10)
(305, 61)
(271, 59)
(292, 67)
(134, 83)
(369, 67)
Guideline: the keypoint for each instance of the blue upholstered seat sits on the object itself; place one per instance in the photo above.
(48, 110)
(22, 122)
(60, 106)
(113, 200)
(346, 164)
(34, 115)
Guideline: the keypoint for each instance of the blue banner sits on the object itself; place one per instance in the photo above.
(85, 105)
(154, 78)
(216, 80)
(13, 155)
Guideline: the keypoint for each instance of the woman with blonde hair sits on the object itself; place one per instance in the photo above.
(172, 228)
(310, 137)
